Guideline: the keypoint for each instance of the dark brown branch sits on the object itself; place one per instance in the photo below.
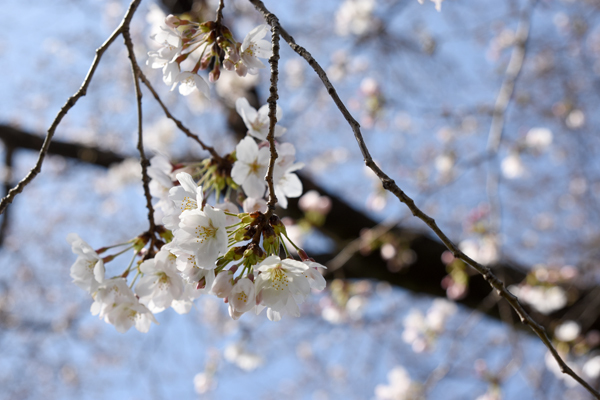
(272, 101)
(68, 105)
(140, 144)
(179, 124)
(392, 187)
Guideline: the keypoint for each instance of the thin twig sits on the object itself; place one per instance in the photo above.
(272, 101)
(219, 19)
(392, 187)
(179, 124)
(503, 100)
(140, 144)
(68, 105)
(9, 151)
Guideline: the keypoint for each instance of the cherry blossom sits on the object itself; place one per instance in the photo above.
(88, 270)
(280, 285)
(258, 122)
(255, 47)
(188, 81)
(241, 298)
(188, 196)
(250, 168)
(161, 284)
(203, 234)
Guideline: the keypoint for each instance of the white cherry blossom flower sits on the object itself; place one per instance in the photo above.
(315, 279)
(287, 184)
(252, 204)
(188, 81)
(88, 270)
(258, 122)
(255, 47)
(251, 167)
(188, 196)
(128, 314)
(280, 286)
(161, 284)
(242, 298)
(161, 182)
(111, 293)
(190, 293)
(165, 56)
(203, 234)
(222, 284)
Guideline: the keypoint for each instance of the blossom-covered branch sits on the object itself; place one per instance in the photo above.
(392, 187)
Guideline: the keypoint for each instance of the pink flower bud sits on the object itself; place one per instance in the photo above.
(241, 69)
(214, 75)
(228, 65)
(223, 283)
(303, 255)
(172, 21)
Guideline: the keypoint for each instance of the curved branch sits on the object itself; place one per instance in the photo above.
(392, 187)
(68, 105)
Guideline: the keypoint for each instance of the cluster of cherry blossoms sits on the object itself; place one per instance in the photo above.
(237, 248)
(210, 45)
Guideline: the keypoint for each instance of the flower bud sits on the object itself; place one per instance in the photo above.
(223, 284)
(253, 255)
(214, 75)
(277, 225)
(241, 69)
(270, 242)
(303, 255)
(228, 65)
(172, 21)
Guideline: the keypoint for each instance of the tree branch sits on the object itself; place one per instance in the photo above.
(68, 105)
(392, 187)
(140, 145)
(272, 101)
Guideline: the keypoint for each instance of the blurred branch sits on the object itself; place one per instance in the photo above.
(505, 95)
(68, 105)
(393, 188)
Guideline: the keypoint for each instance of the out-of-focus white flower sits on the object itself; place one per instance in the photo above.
(538, 138)
(258, 122)
(252, 204)
(438, 4)
(592, 367)
(313, 201)
(203, 383)
(238, 355)
(400, 387)
(575, 119)
(544, 299)
(420, 330)
(484, 250)
(355, 17)
(567, 331)
(88, 270)
(280, 286)
(512, 166)
(161, 182)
